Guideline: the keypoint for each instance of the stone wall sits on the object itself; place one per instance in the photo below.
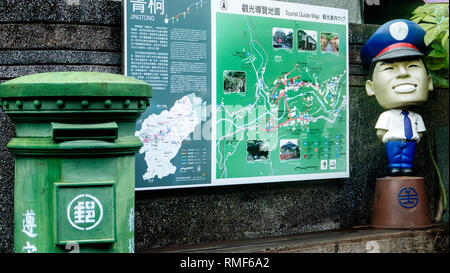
(85, 35)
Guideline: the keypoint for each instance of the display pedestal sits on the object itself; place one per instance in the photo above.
(400, 203)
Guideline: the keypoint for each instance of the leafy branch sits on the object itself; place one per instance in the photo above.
(434, 19)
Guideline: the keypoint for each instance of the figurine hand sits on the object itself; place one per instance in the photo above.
(381, 133)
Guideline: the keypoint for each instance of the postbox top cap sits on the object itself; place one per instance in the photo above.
(75, 84)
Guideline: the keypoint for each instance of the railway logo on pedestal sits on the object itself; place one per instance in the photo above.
(408, 197)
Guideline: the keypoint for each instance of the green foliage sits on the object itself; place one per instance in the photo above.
(433, 18)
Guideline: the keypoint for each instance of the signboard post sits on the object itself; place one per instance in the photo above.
(243, 91)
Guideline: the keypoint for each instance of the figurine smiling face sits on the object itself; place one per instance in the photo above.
(400, 83)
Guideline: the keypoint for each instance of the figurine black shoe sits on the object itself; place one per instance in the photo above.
(407, 171)
(394, 171)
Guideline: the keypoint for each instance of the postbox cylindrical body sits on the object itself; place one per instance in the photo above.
(74, 160)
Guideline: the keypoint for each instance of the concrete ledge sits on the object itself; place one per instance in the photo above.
(356, 240)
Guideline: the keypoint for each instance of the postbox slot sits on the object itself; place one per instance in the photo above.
(99, 131)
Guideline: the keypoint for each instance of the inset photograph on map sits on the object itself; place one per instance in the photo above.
(307, 40)
(329, 42)
(289, 149)
(257, 150)
(282, 38)
(234, 81)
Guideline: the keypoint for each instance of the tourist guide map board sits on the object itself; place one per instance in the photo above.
(243, 91)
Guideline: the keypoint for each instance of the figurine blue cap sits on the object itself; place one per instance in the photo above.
(395, 39)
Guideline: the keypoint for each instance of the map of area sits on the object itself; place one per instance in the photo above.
(244, 91)
(164, 133)
(281, 97)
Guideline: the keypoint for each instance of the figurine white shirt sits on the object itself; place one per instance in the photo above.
(392, 121)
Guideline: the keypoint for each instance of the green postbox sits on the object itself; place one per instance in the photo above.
(74, 160)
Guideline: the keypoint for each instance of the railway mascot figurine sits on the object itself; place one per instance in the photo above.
(399, 80)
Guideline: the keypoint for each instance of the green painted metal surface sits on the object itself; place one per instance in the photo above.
(85, 212)
(67, 84)
(74, 168)
(100, 131)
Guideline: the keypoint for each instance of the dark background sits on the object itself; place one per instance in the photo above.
(50, 35)
(389, 10)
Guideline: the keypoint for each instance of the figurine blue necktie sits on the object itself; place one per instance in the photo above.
(407, 125)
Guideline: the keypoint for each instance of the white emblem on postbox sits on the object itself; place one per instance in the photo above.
(85, 212)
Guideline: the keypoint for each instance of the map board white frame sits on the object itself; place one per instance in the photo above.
(285, 10)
